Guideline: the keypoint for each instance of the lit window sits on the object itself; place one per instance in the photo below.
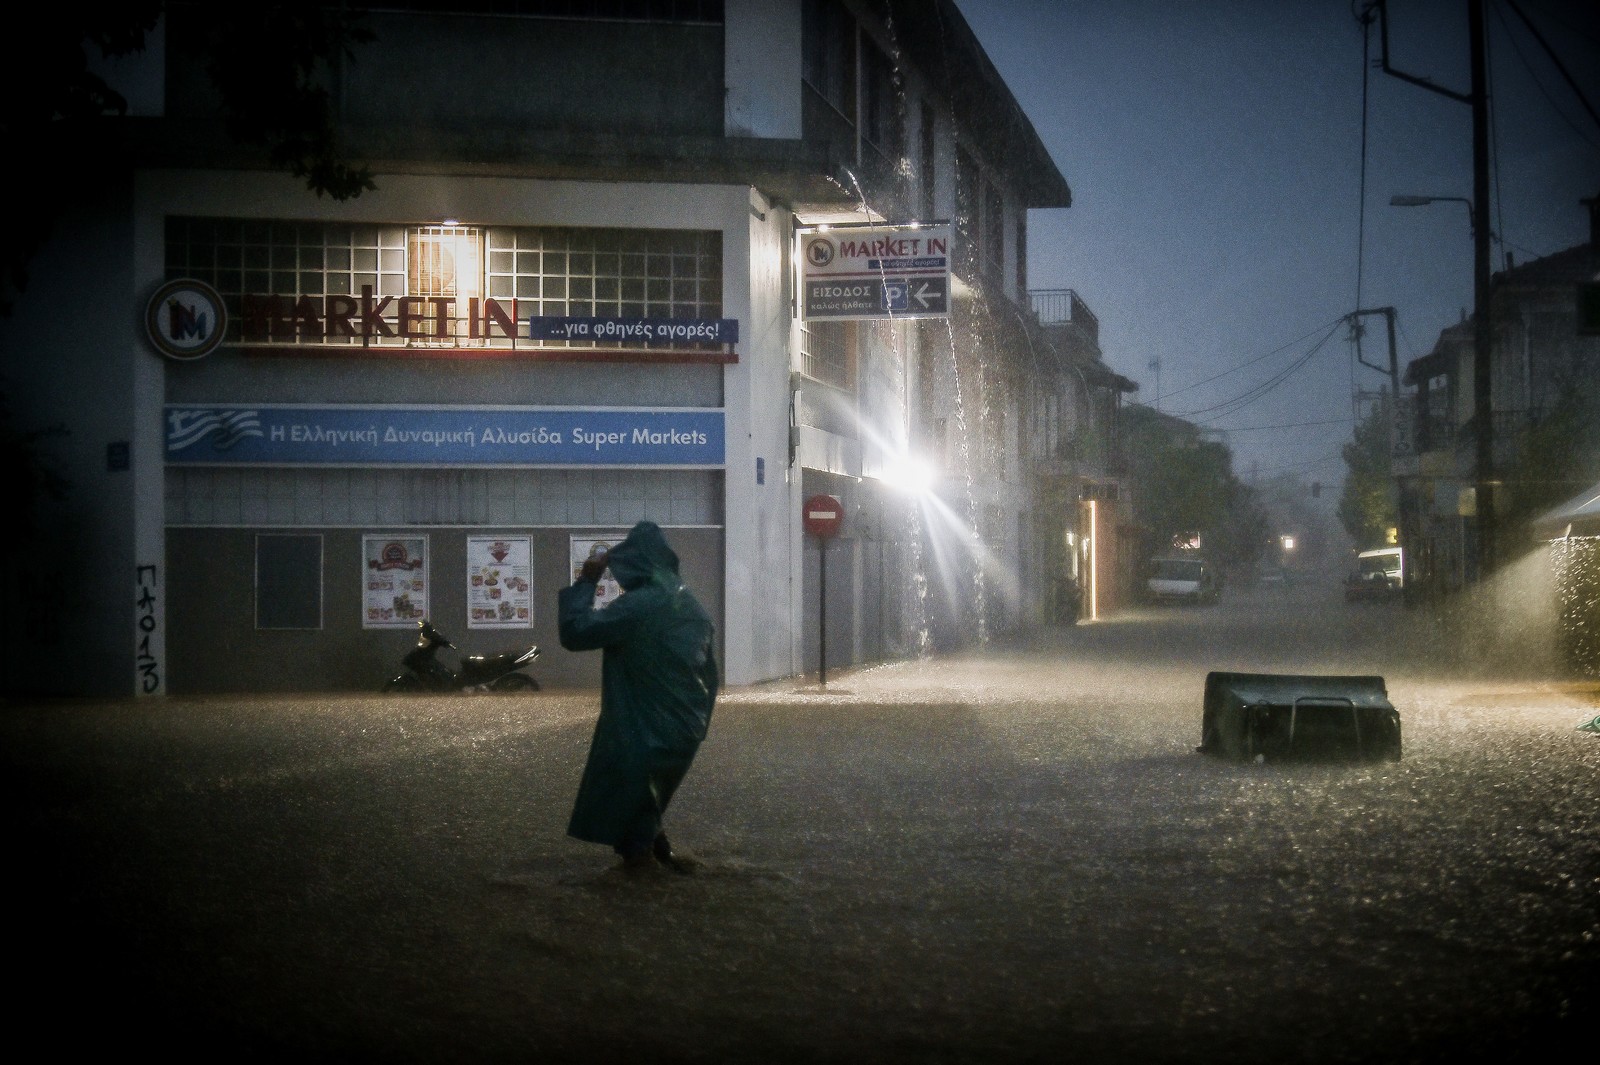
(446, 262)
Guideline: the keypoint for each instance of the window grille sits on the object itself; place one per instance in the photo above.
(993, 237)
(929, 161)
(882, 124)
(828, 40)
(827, 352)
(447, 262)
(967, 223)
(551, 271)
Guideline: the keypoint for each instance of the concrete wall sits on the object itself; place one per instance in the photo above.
(215, 647)
(762, 69)
(71, 356)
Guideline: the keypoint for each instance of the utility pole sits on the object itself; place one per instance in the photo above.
(1394, 356)
(1483, 332)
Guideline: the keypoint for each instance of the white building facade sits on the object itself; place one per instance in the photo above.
(574, 300)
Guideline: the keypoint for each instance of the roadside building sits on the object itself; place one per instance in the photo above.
(695, 262)
(1545, 395)
(1081, 494)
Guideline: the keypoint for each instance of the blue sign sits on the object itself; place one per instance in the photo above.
(645, 330)
(442, 436)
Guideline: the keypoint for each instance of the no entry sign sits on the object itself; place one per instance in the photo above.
(823, 516)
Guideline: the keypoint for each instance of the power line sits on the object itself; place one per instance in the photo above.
(1291, 425)
(1244, 399)
(1252, 362)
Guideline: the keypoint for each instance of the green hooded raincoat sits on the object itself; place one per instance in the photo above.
(658, 685)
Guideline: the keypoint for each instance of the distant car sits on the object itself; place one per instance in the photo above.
(1379, 575)
(1188, 580)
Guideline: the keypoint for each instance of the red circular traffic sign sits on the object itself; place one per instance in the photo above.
(822, 516)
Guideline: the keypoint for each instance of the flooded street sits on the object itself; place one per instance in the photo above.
(1001, 857)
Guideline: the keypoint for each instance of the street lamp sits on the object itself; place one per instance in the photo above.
(1477, 97)
(1483, 338)
(1423, 201)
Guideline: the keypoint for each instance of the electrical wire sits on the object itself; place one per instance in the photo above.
(1251, 362)
(1244, 399)
(1290, 425)
(1366, 19)
(1559, 65)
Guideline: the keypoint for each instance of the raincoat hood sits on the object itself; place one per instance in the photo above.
(644, 553)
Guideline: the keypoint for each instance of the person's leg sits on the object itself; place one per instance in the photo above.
(637, 846)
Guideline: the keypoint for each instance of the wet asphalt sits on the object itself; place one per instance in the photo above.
(1008, 855)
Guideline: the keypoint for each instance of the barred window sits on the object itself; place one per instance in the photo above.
(827, 352)
(994, 234)
(447, 262)
(883, 121)
(312, 282)
(580, 273)
(828, 47)
(929, 161)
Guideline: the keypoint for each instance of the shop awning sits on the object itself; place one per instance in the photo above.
(1578, 516)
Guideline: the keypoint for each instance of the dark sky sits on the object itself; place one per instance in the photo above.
(1215, 153)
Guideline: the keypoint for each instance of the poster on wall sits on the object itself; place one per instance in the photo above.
(499, 582)
(584, 546)
(396, 579)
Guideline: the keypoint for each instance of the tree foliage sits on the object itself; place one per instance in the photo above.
(268, 63)
(1368, 506)
(1556, 457)
(1185, 484)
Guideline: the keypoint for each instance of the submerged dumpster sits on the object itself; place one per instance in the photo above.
(1281, 717)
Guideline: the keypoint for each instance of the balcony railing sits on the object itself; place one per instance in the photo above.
(1063, 306)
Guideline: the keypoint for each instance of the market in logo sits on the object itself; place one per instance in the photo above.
(185, 319)
(819, 251)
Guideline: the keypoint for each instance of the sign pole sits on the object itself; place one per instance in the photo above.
(822, 611)
(822, 516)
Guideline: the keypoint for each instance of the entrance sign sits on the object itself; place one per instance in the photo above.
(871, 272)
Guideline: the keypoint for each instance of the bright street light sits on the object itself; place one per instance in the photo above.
(909, 474)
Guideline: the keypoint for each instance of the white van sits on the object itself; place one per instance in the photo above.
(1183, 579)
(1379, 574)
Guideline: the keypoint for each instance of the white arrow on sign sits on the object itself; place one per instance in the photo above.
(923, 297)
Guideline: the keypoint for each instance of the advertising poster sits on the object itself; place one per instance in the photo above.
(396, 578)
(584, 546)
(499, 582)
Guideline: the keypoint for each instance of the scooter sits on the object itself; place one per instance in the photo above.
(477, 673)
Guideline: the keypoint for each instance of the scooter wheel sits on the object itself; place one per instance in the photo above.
(514, 682)
(403, 683)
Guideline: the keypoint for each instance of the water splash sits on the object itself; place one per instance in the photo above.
(1576, 562)
(974, 528)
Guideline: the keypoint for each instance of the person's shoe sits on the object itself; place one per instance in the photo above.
(637, 858)
(662, 851)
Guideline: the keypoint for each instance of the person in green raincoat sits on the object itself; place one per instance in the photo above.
(657, 688)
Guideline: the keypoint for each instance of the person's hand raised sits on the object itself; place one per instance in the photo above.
(594, 566)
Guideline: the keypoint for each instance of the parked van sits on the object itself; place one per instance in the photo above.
(1183, 579)
(1379, 574)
